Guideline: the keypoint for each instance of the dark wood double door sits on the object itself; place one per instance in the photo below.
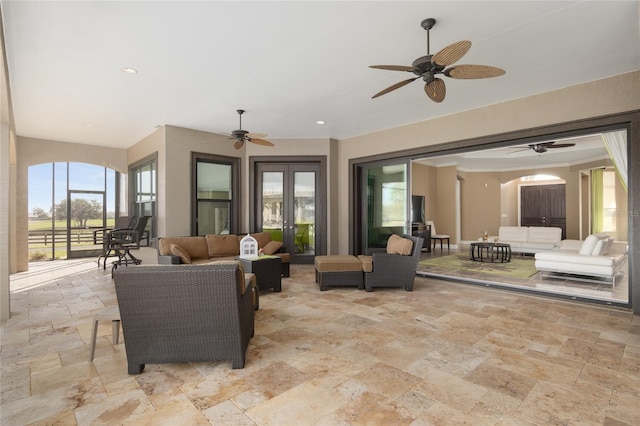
(544, 205)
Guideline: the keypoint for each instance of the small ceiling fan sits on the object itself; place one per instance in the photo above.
(241, 136)
(544, 146)
(427, 67)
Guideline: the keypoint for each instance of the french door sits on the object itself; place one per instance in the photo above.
(544, 205)
(289, 206)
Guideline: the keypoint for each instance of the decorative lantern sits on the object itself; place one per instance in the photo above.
(248, 247)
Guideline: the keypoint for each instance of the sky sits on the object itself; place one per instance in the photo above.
(84, 177)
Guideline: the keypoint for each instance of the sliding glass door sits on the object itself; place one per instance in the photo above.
(384, 203)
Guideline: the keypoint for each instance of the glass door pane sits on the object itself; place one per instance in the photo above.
(386, 203)
(85, 215)
(305, 212)
(213, 217)
(272, 203)
(288, 207)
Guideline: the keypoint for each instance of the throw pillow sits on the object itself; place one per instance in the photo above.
(262, 238)
(176, 250)
(272, 247)
(398, 245)
(589, 245)
(599, 248)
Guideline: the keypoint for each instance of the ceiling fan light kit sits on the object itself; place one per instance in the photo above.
(241, 136)
(427, 67)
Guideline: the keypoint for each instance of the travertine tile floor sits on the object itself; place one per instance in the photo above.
(445, 353)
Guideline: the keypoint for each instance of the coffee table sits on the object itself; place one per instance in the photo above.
(267, 269)
(490, 252)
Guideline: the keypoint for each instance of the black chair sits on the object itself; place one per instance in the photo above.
(382, 269)
(124, 240)
(122, 223)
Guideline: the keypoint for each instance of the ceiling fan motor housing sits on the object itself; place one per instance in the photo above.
(239, 134)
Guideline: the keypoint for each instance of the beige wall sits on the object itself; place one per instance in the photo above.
(8, 261)
(8, 188)
(480, 204)
(174, 146)
(446, 202)
(598, 98)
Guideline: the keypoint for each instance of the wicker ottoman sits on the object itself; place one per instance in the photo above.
(338, 270)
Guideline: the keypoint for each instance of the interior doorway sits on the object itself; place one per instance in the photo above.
(544, 205)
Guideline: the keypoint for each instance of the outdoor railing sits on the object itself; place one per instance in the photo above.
(85, 235)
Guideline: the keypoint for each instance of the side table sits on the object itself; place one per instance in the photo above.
(494, 252)
(267, 269)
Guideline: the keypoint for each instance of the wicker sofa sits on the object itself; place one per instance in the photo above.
(183, 313)
(215, 248)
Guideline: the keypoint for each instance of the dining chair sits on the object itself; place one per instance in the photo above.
(438, 237)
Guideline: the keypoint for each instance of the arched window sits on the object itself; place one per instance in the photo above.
(68, 203)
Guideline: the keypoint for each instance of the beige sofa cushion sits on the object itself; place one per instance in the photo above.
(176, 250)
(223, 245)
(195, 246)
(398, 245)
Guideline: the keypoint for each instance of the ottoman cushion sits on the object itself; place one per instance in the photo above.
(337, 263)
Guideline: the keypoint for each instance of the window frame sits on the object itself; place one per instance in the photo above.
(234, 202)
(151, 160)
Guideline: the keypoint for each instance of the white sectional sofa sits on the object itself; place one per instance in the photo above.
(596, 259)
(529, 239)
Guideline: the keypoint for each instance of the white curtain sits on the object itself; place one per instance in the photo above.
(616, 143)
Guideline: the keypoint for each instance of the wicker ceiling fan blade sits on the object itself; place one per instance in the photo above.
(392, 67)
(561, 145)
(394, 87)
(261, 142)
(256, 135)
(452, 53)
(436, 90)
(473, 71)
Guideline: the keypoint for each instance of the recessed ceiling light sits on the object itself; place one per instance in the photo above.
(129, 70)
(89, 124)
(321, 122)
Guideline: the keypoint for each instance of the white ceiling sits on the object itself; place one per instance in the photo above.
(586, 149)
(288, 64)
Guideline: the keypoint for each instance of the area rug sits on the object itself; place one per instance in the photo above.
(519, 267)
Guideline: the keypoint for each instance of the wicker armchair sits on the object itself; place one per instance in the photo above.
(184, 313)
(382, 269)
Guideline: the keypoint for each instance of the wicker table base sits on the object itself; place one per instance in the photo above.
(268, 271)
